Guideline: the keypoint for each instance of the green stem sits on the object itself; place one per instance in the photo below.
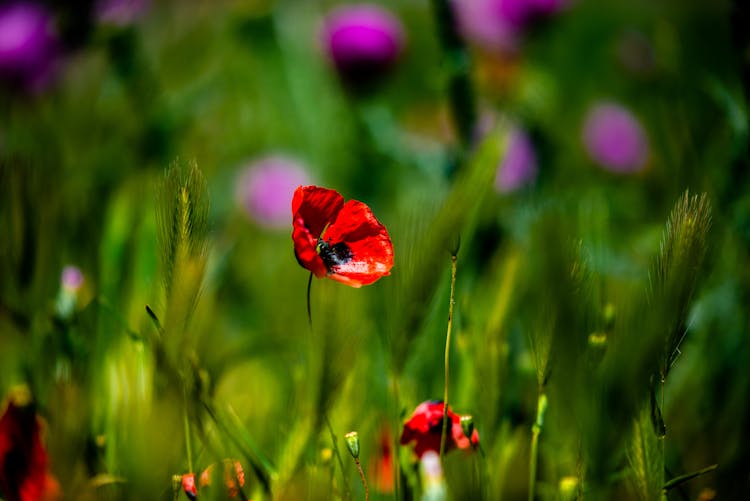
(309, 286)
(338, 456)
(454, 258)
(362, 477)
(536, 429)
(186, 423)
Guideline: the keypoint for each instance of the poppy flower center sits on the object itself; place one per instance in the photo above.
(333, 255)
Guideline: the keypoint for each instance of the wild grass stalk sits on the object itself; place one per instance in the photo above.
(451, 303)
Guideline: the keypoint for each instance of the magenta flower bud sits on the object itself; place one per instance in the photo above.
(615, 139)
(363, 41)
(71, 278)
(265, 188)
(28, 44)
(120, 12)
(519, 166)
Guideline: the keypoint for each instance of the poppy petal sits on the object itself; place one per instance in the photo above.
(313, 208)
(316, 207)
(305, 249)
(24, 467)
(365, 251)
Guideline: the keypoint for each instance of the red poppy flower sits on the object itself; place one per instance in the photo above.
(188, 485)
(338, 240)
(426, 426)
(23, 461)
(234, 477)
(381, 463)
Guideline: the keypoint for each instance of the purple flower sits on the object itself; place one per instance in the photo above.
(71, 278)
(362, 40)
(120, 12)
(498, 25)
(519, 166)
(28, 44)
(615, 139)
(266, 186)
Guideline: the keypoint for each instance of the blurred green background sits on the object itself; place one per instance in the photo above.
(570, 285)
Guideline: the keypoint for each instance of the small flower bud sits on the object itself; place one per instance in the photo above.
(352, 442)
(467, 425)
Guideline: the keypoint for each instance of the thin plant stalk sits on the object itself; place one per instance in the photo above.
(186, 423)
(454, 258)
(536, 429)
(309, 313)
(336, 453)
(362, 477)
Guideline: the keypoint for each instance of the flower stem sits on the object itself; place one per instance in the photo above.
(337, 454)
(186, 423)
(454, 258)
(362, 477)
(536, 429)
(309, 286)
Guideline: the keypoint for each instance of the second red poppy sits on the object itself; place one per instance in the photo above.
(341, 241)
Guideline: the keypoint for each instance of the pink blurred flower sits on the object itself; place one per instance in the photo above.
(120, 12)
(71, 278)
(362, 40)
(265, 188)
(614, 138)
(519, 166)
(499, 25)
(28, 44)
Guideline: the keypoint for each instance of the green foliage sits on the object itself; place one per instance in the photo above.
(600, 320)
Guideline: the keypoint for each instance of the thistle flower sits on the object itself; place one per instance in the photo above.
(24, 467)
(265, 187)
(426, 425)
(615, 139)
(28, 44)
(519, 166)
(120, 12)
(363, 41)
